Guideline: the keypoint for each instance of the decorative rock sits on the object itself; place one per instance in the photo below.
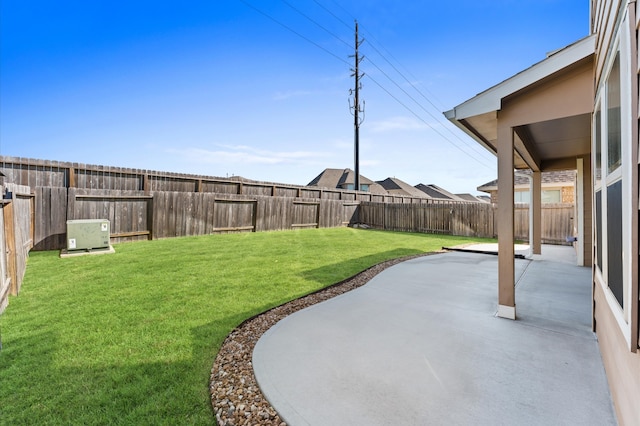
(233, 384)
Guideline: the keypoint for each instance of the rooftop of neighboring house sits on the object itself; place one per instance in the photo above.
(342, 178)
(434, 191)
(521, 179)
(396, 186)
(473, 198)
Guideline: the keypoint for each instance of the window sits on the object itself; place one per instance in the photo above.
(551, 196)
(364, 187)
(613, 184)
(614, 123)
(612, 176)
(614, 241)
(597, 137)
(599, 230)
(548, 196)
(521, 197)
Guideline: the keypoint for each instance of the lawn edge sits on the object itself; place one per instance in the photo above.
(236, 397)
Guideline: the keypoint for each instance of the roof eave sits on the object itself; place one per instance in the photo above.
(470, 131)
(491, 99)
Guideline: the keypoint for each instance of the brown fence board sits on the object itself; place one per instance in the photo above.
(18, 232)
(50, 218)
(127, 211)
(466, 219)
(5, 278)
(36, 173)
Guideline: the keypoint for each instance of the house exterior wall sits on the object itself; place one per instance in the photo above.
(621, 365)
(615, 212)
(567, 193)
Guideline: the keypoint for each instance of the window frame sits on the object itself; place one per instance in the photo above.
(620, 49)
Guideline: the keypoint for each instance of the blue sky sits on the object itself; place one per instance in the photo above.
(259, 88)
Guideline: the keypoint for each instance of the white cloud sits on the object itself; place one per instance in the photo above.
(243, 154)
(397, 123)
(280, 96)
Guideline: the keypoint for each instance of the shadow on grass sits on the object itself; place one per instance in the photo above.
(336, 272)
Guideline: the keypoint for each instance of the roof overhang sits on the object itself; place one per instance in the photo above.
(548, 105)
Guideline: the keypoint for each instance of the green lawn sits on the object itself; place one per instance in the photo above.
(130, 338)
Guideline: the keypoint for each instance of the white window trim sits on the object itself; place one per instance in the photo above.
(624, 172)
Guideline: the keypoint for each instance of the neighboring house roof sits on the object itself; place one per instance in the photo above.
(560, 178)
(473, 198)
(396, 186)
(340, 178)
(434, 191)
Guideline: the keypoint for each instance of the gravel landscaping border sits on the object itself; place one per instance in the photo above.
(235, 395)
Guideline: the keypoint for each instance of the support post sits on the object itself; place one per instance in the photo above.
(579, 214)
(506, 252)
(536, 212)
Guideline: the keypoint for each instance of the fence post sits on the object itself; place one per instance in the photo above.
(145, 183)
(150, 216)
(10, 241)
(72, 177)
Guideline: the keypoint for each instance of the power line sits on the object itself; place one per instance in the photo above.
(376, 66)
(414, 100)
(373, 38)
(425, 122)
(400, 73)
(439, 119)
(331, 13)
(315, 22)
(294, 31)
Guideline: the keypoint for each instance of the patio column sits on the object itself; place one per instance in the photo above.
(584, 245)
(536, 209)
(506, 264)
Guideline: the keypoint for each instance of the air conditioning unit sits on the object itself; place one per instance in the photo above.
(88, 234)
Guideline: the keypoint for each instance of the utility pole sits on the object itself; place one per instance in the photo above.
(357, 109)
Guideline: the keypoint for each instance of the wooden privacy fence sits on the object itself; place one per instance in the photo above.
(57, 174)
(557, 222)
(16, 238)
(135, 215)
(466, 219)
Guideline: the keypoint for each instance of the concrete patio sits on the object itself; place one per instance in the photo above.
(420, 344)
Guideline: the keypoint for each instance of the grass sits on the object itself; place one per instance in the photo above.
(130, 338)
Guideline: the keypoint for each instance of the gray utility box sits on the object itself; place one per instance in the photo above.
(87, 234)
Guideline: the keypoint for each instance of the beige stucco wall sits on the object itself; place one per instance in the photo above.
(621, 365)
(567, 193)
